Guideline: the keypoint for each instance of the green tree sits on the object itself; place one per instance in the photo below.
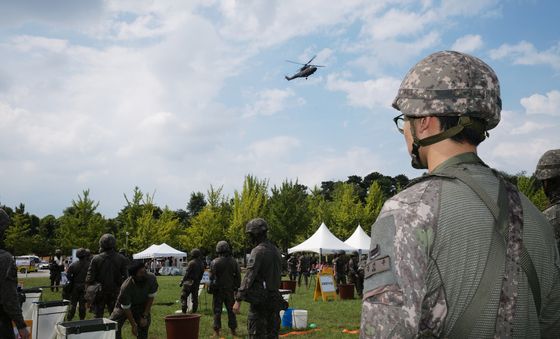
(288, 214)
(346, 209)
(196, 204)
(373, 205)
(319, 212)
(249, 204)
(533, 190)
(209, 225)
(80, 225)
(155, 229)
(18, 235)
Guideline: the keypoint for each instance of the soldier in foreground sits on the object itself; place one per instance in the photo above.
(548, 171)
(191, 281)
(135, 301)
(107, 270)
(10, 308)
(460, 252)
(225, 279)
(76, 278)
(261, 283)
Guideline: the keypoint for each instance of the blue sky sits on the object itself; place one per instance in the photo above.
(175, 96)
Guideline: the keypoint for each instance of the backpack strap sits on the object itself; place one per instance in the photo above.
(497, 253)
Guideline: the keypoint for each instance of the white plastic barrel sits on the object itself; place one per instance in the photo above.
(299, 319)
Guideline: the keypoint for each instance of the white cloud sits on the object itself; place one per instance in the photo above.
(543, 104)
(468, 43)
(396, 23)
(273, 148)
(529, 127)
(270, 101)
(369, 93)
(525, 53)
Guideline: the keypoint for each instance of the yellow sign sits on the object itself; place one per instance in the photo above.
(324, 287)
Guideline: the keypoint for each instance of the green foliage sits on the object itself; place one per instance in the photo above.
(155, 229)
(319, 211)
(346, 210)
(288, 214)
(249, 204)
(80, 225)
(532, 189)
(209, 225)
(17, 232)
(196, 204)
(373, 205)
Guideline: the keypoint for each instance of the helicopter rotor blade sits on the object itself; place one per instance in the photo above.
(307, 63)
(317, 65)
(293, 62)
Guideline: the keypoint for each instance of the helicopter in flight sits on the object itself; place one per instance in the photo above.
(306, 70)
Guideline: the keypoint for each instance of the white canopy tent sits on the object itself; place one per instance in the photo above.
(159, 251)
(322, 242)
(359, 240)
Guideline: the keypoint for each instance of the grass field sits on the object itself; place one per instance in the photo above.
(330, 317)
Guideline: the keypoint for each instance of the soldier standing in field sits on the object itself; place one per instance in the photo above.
(10, 307)
(293, 267)
(76, 278)
(460, 252)
(260, 286)
(304, 269)
(109, 269)
(548, 171)
(225, 279)
(191, 281)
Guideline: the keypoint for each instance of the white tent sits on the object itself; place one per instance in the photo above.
(159, 251)
(322, 242)
(359, 239)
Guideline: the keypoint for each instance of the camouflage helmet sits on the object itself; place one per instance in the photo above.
(256, 226)
(449, 83)
(195, 253)
(107, 242)
(222, 247)
(549, 165)
(81, 253)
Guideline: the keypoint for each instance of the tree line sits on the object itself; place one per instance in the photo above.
(293, 212)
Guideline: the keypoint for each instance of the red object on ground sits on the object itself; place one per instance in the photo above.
(346, 291)
(182, 326)
(288, 285)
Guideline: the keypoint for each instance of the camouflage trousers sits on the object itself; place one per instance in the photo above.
(192, 290)
(263, 322)
(223, 298)
(76, 297)
(119, 316)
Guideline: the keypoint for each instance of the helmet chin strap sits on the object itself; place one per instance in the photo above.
(464, 121)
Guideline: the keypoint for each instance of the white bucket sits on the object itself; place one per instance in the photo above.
(299, 319)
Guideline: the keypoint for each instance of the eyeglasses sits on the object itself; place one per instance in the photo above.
(399, 122)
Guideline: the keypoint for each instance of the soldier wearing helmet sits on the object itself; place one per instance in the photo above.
(10, 307)
(261, 283)
(548, 171)
(225, 279)
(76, 274)
(460, 252)
(107, 269)
(191, 281)
(56, 267)
(340, 263)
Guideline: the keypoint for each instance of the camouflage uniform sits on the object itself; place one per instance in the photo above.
(225, 279)
(134, 295)
(354, 273)
(10, 307)
(304, 269)
(191, 282)
(293, 267)
(260, 287)
(76, 277)
(109, 269)
(548, 169)
(434, 243)
(340, 269)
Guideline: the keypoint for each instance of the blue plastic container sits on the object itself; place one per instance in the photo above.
(287, 318)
